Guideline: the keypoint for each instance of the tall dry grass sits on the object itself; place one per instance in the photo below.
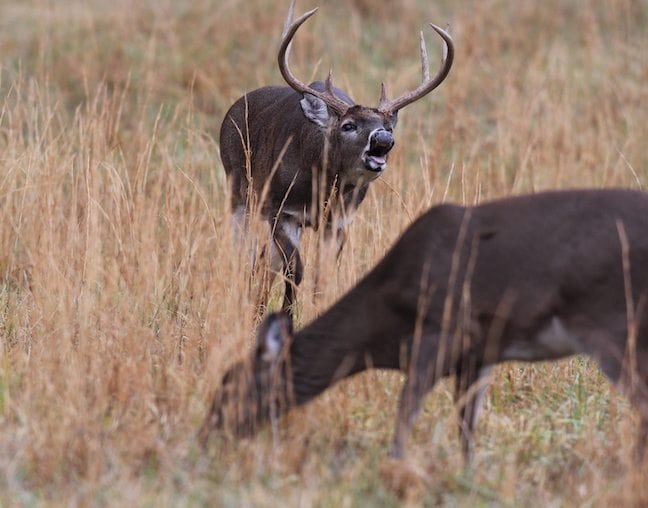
(123, 296)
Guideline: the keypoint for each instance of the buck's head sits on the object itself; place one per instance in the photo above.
(359, 136)
(253, 390)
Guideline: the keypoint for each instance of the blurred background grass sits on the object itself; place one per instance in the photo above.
(123, 297)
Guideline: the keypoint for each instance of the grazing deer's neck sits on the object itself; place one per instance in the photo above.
(316, 353)
(345, 340)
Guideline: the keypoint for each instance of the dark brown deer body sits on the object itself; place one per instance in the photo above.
(530, 278)
(291, 152)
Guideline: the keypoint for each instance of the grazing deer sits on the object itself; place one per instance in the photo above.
(530, 278)
(303, 155)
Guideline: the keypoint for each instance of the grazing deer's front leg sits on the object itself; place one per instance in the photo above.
(638, 396)
(642, 440)
(626, 373)
(287, 235)
(409, 405)
(421, 377)
(470, 386)
(637, 392)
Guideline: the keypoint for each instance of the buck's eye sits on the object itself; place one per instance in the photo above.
(349, 127)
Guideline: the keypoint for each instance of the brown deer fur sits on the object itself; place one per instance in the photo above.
(529, 278)
(291, 152)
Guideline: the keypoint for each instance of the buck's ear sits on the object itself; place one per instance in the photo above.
(394, 119)
(315, 110)
(273, 333)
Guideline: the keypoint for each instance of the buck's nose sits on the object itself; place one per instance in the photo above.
(381, 142)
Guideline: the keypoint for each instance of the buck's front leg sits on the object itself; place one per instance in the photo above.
(287, 235)
(332, 242)
(335, 240)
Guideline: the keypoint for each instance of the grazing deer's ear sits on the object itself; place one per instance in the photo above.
(272, 335)
(315, 110)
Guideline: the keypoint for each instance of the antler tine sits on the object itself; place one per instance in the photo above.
(289, 18)
(425, 63)
(333, 102)
(383, 94)
(444, 51)
(428, 84)
(328, 84)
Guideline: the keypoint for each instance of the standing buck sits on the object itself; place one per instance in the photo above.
(304, 155)
(529, 278)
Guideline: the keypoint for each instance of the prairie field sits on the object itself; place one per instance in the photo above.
(123, 296)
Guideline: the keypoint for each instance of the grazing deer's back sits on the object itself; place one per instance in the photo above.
(560, 248)
(543, 247)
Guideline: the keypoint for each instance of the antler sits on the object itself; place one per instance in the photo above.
(387, 106)
(328, 96)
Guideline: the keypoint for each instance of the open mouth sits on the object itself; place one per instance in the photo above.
(375, 154)
(375, 159)
(374, 162)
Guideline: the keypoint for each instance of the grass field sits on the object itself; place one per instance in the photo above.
(123, 297)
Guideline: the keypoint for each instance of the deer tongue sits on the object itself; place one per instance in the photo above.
(375, 162)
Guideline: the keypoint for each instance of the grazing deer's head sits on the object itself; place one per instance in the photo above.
(253, 390)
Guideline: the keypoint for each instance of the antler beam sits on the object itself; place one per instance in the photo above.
(290, 29)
